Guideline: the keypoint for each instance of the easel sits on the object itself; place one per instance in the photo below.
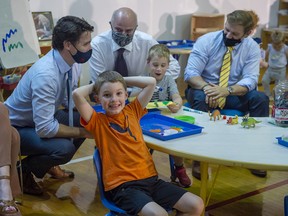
(20, 45)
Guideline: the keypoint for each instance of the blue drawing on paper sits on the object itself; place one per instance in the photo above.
(13, 45)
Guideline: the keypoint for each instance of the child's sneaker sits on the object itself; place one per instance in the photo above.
(184, 180)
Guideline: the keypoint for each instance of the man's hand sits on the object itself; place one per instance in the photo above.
(85, 134)
(212, 103)
(213, 93)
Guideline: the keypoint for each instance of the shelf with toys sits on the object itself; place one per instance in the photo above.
(9, 78)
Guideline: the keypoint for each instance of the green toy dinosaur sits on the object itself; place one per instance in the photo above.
(249, 122)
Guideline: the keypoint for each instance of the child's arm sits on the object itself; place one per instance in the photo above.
(264, 61)
(177, 103)
(82, 105)
(146, 83)
(267, 55)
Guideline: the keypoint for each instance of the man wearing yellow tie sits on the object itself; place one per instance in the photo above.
(223, 69)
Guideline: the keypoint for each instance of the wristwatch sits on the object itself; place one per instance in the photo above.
(230, 90)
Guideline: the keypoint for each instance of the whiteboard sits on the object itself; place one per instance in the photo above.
(19, 45)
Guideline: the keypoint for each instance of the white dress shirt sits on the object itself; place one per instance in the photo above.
(105, 52)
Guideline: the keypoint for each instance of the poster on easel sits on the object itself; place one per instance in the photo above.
(19, 44)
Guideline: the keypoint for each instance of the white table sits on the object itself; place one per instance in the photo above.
(231, 145)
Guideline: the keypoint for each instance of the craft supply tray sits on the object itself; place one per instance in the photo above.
(282, 142)
(159, 122)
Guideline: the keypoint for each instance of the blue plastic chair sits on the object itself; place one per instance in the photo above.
(114, 210)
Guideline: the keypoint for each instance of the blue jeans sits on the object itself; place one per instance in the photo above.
(254, 102)
(44, 153)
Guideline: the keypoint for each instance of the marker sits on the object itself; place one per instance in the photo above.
(192, 110)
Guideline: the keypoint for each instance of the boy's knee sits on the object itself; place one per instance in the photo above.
(153, 209)
(196, 205)
(190, 204)
(199, 206)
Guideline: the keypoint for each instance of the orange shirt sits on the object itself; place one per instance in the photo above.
(124, 155)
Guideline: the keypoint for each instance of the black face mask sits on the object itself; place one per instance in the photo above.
(81, 57)
(230, 42)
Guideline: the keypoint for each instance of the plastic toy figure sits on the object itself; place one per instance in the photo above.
(215, 114)
(249, 122)
(233, 120)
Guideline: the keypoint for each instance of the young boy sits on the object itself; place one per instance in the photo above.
(277, 55)
(158, 62)
(130, 177)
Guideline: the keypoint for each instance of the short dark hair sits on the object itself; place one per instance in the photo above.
(69, 28)
(108, 76)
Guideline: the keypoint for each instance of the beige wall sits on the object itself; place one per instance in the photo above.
(164, 19)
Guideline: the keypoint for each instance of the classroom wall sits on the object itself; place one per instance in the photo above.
(164, 19)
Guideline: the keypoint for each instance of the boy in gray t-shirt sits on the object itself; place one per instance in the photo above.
(166, 90)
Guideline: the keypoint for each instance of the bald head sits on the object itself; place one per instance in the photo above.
(124, 18)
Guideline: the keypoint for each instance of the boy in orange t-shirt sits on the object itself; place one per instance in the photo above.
(130, 177)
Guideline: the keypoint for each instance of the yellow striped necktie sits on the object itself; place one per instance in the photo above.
(224, 74)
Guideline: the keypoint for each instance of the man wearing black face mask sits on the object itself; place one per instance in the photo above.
(135, 44)
(205, 63)
(34, 105)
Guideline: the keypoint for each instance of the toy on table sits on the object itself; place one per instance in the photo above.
(233, 120)
(282, 141)
(170, 131)
(248, 122)
(185, 118)
(215, 114)
(158, 104)
(285, 137)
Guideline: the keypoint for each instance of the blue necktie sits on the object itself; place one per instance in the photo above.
(69, 95)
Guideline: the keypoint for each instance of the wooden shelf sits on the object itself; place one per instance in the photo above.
(283, 18)
(45, 46)
(202, 23)
(11, 86)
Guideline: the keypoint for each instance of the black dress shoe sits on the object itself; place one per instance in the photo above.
(196, 170)
(259, 173)
(30, 186)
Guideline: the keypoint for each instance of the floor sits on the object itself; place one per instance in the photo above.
(237, 192)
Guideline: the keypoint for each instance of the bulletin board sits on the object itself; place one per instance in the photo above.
(19, 44)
